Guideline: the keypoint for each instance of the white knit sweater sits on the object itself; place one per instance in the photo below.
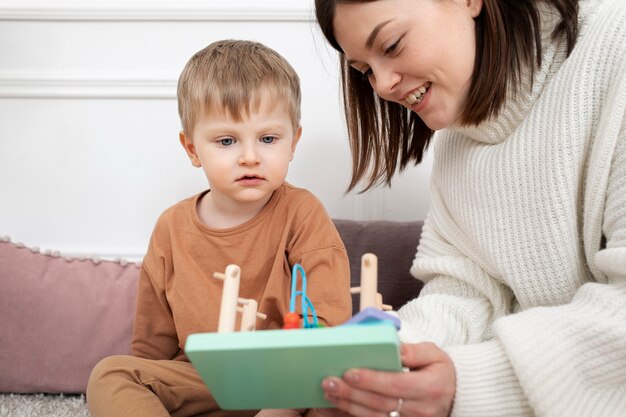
(524, 250)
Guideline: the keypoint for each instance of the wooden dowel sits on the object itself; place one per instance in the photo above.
(369, 281)
(230, 294)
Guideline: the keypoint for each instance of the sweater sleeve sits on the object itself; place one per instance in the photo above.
(460, 299)
(456, 310)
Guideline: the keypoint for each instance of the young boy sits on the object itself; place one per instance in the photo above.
(239, 104)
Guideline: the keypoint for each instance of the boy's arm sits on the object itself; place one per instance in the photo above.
(154, 333)
(318, 247)
(328, 284)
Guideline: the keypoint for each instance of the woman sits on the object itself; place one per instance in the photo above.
(524, 249)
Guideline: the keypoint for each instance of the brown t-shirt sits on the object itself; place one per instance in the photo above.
(178, 295)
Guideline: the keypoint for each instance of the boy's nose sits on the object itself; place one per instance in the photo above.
(249, 156)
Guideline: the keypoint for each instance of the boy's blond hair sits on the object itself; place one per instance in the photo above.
(230, 75)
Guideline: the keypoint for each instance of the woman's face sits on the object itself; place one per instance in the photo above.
(418, 53)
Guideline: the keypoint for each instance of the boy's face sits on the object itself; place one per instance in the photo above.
(244, 161)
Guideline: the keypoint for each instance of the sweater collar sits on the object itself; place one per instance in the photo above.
(497, 129)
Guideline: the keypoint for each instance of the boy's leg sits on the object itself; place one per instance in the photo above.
(127, 386)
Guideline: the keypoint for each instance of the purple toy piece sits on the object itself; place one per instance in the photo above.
(373, 315)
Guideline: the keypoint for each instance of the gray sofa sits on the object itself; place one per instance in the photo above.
(60, 316)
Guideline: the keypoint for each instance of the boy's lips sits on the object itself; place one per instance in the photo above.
(250, 180)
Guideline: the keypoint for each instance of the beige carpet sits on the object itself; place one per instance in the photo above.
(43, 405)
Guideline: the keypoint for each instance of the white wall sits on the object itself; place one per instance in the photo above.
(89, 152)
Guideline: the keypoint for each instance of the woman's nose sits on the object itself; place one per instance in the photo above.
(385, 82)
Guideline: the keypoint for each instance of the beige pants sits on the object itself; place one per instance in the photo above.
(127, 386)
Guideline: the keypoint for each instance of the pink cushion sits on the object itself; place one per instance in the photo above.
(58, 318)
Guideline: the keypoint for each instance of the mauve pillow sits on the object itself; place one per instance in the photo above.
(59, 317)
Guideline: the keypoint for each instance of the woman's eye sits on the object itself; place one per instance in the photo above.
(392, 48)
(268, 139)
(226, 141)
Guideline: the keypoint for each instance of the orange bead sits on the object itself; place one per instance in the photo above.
(291, 321)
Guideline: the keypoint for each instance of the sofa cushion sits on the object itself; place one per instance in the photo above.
(394, 243)
(59, 317)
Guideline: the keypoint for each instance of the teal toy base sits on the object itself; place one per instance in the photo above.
(285, 368)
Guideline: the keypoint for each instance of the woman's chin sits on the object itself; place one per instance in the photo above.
(434, 124)
(438, 120)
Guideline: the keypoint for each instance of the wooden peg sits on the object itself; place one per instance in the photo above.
(369, 281)
(379, 301)
(249, 314)
(248, 317)
(230, 295)
(244, 301)
(380, 305)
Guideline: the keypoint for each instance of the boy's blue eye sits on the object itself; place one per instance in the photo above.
(268, 139)
(227, 141)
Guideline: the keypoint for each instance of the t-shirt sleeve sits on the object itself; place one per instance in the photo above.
(317, 246)
(154, 332)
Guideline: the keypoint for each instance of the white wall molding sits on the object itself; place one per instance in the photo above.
(87, 86)
(162, 11)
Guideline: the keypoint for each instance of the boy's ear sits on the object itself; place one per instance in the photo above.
(189, 148)
(294, 142)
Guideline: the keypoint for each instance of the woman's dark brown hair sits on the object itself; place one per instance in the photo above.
(385, 136)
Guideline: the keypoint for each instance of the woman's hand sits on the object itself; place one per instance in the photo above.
(426, 390)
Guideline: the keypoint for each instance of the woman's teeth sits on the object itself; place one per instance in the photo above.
(417, 95)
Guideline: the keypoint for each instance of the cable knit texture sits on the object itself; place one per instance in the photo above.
(524, 250)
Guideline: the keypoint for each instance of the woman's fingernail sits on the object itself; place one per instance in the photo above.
(329, 384)
(352, 376)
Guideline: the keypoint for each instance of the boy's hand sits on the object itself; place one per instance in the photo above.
(281, 412)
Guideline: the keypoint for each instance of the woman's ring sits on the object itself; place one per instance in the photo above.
(396, 412)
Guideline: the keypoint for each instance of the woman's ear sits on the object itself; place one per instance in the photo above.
(474, 7)
(189, 148)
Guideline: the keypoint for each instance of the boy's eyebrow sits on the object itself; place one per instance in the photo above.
(369, 43)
